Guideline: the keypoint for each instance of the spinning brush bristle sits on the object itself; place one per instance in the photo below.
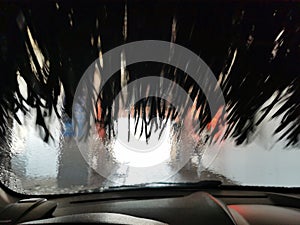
(252, 48)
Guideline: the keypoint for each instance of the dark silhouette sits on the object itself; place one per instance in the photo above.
(252, 48)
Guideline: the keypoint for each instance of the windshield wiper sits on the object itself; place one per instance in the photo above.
(199, 184)
(165, 185)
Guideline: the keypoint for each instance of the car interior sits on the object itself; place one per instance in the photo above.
(250, 177)
(215, 205)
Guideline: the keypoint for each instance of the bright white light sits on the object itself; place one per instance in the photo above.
(279, 35)
(136, 152)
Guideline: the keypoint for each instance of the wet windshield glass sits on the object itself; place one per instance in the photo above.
(104, 94)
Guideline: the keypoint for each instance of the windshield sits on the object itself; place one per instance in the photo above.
(109, 94)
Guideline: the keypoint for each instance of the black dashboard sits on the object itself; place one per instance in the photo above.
(158, 206)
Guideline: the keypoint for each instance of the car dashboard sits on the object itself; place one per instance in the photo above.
(158, 206)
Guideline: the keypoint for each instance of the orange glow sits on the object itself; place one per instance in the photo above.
(214, 123)
(100, 125)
